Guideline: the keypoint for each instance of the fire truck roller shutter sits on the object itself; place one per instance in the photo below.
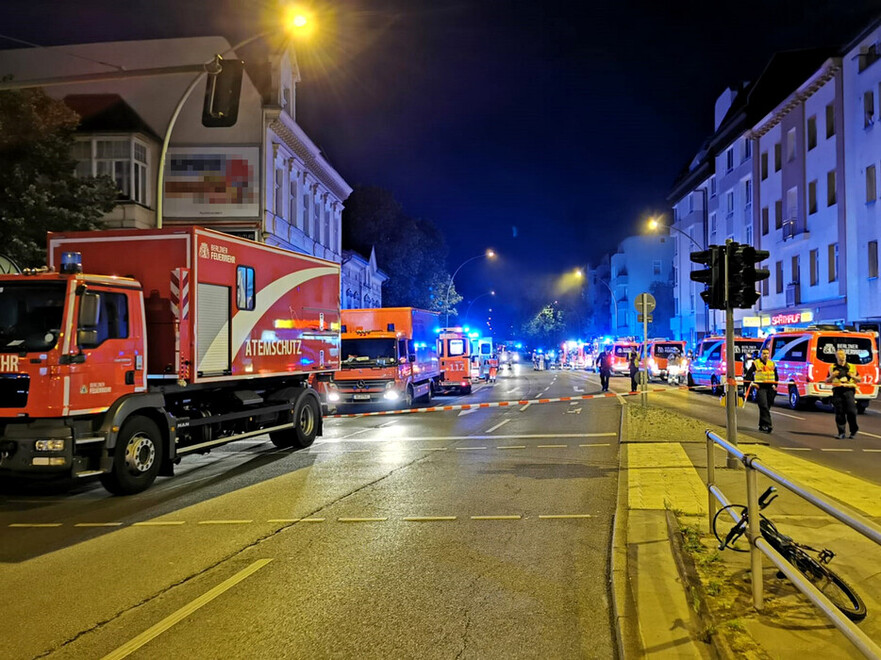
(213, 329)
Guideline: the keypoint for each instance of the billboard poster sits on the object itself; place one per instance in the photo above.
(212, 182)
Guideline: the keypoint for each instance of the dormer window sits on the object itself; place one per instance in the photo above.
(123, 159)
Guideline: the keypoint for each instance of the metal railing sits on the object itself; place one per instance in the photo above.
(759, 546)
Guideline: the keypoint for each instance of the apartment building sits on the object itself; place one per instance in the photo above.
(641, 263)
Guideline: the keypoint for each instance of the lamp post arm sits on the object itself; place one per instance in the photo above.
(450, 286)
(688, 236)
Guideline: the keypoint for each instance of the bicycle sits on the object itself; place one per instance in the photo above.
(829, 583)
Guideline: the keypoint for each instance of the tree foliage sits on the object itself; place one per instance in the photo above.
(547, 326)
(38, 189)
(411, 251)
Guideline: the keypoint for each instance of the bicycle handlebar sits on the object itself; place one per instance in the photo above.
(767, 497)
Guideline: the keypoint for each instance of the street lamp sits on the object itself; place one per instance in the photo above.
(489, 254)
(655, 224)
(488, 293)
(295, 22)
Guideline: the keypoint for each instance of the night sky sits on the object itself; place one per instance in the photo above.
(548, 130)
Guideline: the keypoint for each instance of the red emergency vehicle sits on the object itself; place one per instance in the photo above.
(177, 341)
(620, 353)
(454, 350)
(658, 351)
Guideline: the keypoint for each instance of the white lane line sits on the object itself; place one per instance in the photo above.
(552, 446)
(836, 449)
(871, 435)
(224, 522)
(159, 523)
(468, 448)
(596, 444)
(498, 426)
(512, 447)
(151, 633)
(525, 407)
(872, 451)
(564, 516)
(107, 524)
(793, 448)
(351, 435)
(496, 517)
(777, 412)
(432, 448)
(428, 518)
(35, 524)
(360, 520)
(391, 423)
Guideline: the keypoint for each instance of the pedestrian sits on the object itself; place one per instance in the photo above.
(634, 371)
(493, 368)
(605, 363)
(843, 377)
(762, 375)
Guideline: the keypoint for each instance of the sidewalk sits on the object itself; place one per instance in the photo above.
(675, 595)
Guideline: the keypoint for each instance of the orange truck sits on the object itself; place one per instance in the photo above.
(388, 356)
(454, 350)
(658, 352)
(173, 341)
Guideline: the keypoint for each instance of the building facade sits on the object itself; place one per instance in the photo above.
(361, 281)
(642, 264)
(262, 178)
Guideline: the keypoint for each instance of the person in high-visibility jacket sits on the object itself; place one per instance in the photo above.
(763, 374)
(843, 377)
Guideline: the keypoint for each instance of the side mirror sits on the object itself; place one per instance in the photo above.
(90, 310)
(87, 338)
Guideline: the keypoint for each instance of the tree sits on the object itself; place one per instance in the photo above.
(38, 190)
(547, 326)
(410, 250)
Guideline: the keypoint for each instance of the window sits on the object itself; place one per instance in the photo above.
(778, 214)
(790, 145)
(279, 191)
(307, 229)
(729, 199)
(789, 349)
(656, 267)
(292, 200)
(139, 178)
(812, 132)
(778, 158)
(871, 184)
(830, 121)
(791, 204)
(764, 165)
(765, 287)
(764, 221)
(868, 108)
(245, 287)
(122, 159)
(868, 55)
(873, 259)
(112, 319)
(327, 240)
(749, 234)
(833, 262)
(812, 197)
(691, 202)
(815, 267)
(713, 186)
(830, 188)
(316, 225)
(748, 192)
(778, 271)
(729, 159)
(747, 150)
(712, 223)
(795, 271)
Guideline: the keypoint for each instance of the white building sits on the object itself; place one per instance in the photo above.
(361, 281)
(862, 148)
(262, 178)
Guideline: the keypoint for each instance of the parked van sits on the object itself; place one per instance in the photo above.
(621, 351)
(708, 367)
(804, 357)
(657, 353)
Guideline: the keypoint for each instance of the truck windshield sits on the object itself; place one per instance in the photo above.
(366, 352)
(30, 315)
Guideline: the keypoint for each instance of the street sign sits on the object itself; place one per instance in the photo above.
(640, 318)
(645, 303)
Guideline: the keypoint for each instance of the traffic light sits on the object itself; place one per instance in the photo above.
(713, 276)
(222, 91)
(743, 274)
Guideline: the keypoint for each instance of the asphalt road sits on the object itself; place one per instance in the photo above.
(463, 534)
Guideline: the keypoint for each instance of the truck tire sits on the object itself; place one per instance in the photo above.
(408, 398)
(427, 396)
(715, 388)
(137, 457)
(305, 425)
(795, 401)
(861, 407)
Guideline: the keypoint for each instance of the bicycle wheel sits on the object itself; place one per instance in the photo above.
(830, 585)
(722, 527)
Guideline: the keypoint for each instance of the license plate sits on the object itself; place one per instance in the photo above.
(361, 397)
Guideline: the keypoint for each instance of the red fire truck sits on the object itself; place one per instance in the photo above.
(454, 349)
(177, 341)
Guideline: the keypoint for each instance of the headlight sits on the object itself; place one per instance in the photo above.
(49, 445)
(390, 395)
(333, 396)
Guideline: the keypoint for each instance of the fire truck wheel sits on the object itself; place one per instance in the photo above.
(427, 397)
(136, 458)
(408, 397)
(305, 425)
(861, 407)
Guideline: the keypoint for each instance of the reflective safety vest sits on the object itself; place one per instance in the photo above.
(765, 372)
(846, 371)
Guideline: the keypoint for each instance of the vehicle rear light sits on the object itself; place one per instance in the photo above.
(810, 372)
(464, 383)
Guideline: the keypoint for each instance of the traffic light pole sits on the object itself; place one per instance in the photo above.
(730, 377)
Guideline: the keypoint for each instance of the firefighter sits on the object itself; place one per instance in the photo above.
(634, 371)
(843, 377)
(605, 363)
(493, 364)
(762, 374)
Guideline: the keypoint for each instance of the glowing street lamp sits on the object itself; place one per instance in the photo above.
(655, 224)
(488, 254)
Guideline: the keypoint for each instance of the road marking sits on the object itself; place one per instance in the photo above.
(524, 447)
(285, 521)
(428, 518)
(151, 633)
(835, 449)
(391, 423)
(433, 448)
(467, 448)
(224, 522)
(107, 524)
(871, 435)
(792, 448)
(552, 446)
(35, 524)
(467, 412)
(360, 520)
(873, 451)
(312, 520)
(526, 406)
(159, 523)
(496, 517)
(574, 411)
(565, 516)
(777, 412)
(578, 389)
(596, 444)
(357, 432)
(499, 425)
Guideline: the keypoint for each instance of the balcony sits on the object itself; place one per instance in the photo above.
(793, 294)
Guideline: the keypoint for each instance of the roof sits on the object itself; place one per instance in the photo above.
(106, 113)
